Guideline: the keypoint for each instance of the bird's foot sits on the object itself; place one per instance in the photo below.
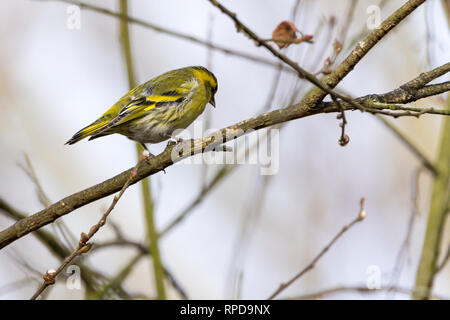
(177, 139)
(147, 156)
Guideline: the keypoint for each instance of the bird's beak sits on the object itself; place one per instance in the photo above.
(212, 101)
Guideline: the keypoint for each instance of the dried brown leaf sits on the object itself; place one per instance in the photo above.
(285, 34)
(285, 31)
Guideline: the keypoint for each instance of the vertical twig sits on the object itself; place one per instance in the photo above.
(403, 252)
(428, 265)
(145, 184)
(207, 116)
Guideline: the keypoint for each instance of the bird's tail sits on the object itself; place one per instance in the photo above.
(87, 131)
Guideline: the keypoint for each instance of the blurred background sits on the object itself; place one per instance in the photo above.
(250, 232)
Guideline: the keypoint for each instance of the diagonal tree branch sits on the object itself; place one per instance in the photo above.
(302, 73)
(84, 245)
(157, 164)
(173, 33)
(89, 276)
(346, 66)
(306, 107)
(360, 217)
(367, 44)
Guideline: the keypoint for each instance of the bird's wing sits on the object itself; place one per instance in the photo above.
(140, 107)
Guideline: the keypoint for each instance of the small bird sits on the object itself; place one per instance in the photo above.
(152, 111)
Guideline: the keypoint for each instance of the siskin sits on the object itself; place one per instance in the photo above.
(152, 111)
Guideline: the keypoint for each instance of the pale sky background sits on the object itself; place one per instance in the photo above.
(54, 81)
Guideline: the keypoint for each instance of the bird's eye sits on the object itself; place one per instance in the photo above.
(212, 87)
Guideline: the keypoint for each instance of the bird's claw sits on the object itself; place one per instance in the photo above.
(176, 140)
(147, 157)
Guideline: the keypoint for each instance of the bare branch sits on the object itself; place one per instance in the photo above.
(84, 245)
(302, 73)
(361, 215)
(143, 250)
(411, 146)
(439, 206)
(173, 33)
(346, 66)
(357, 289)
(29, 170)
(404, 248)
(164, 160)
(444, 260)
(306, 107)
(118, 279)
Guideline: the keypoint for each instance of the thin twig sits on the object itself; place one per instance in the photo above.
(294, 10)
(145, 183)
(252, 209)
(220, 174)
(209, 66)
(306, 39)
(348, 21)
(321, 51)
(121, 242)
(361, 215)
(119, 278)
(306, 107)
(250, 216)
(358, 289)
(438, 213)
(29, 170)
(158, 163)
(55, 247)
(411, 145)
(15, 285)
(60, 226)
(340, 39)
(224, 170)
(344, 139)
(84, 245)
(337, 48)
(302, 73)
(173, 33)
(198, 199)
(404, 248)
(274, 87)
(23, 263)
(444, 261)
